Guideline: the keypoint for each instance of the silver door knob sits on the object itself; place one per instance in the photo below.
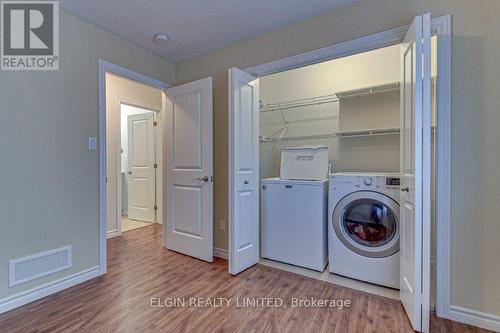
(405, 189)
(202, 179)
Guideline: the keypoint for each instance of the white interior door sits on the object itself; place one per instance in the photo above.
(243, 171)
(189, 169)
(141, 172)
(416, 169)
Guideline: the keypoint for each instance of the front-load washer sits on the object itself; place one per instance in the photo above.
(363, 228)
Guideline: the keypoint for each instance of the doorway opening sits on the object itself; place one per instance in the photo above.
(351, 107)
(371, 141)
(167, 160)
(133, 154)
(347, 109)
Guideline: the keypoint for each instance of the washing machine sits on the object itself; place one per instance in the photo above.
(364, 227)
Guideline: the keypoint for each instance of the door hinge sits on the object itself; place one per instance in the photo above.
(155, 166)
(155, 123)
(155, 207)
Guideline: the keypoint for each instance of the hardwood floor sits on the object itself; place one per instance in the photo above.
(140, 271)
(128, 225)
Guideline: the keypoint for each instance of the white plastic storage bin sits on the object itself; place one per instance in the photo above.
(294, 222)
(304, 163)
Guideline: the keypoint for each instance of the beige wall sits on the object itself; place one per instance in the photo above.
(357, 71)
(120, 90)
(364, 154)
(49, 179)
(475, 118)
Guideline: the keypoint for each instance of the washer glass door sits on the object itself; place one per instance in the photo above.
(368, 224)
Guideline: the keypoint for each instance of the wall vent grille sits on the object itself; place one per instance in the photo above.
(38, 265)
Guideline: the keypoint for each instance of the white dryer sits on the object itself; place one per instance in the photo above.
(363, 228)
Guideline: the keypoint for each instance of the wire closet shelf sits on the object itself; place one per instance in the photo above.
(326, 99)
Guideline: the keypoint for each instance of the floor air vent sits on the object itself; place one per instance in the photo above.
(41, 264)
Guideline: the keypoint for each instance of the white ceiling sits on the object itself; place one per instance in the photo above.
(195, 27)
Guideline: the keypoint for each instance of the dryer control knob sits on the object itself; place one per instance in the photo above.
(368, 181)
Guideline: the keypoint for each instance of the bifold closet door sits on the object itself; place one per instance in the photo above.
(415, 172)
(189, 169)
(243, 170)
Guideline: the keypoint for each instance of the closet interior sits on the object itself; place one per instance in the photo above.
(350, 107)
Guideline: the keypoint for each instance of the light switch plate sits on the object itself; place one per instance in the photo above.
(92, 143)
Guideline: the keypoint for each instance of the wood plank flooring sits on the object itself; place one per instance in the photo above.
(141, 270)
(128, 224)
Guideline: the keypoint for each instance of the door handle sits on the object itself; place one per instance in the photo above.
(130, 172)
(246, 182)
(202, 179)
(405, 189)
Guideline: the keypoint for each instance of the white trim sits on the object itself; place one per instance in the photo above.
(103, 267)
(130, 74)
(112, 233)
(442, 27)
(220, 253)
(475, 318)
(358, 45)
(47, 289)
(230, 189)
(107, 67)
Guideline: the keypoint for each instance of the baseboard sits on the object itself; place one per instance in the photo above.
(220, 253)
(112, 233)
(475, 318)
(28, 296)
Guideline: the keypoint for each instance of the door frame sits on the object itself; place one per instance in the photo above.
(441, 27)
(103, 68)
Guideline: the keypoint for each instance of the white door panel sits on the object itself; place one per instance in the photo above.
(187, 131)
(187, 211)
(415, 173)
(141, 172)
(189, 169)
(243, 171)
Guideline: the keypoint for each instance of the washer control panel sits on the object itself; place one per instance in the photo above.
(393, 181)
(367, 181)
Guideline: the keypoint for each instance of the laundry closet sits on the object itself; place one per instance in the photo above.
(329, 146)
